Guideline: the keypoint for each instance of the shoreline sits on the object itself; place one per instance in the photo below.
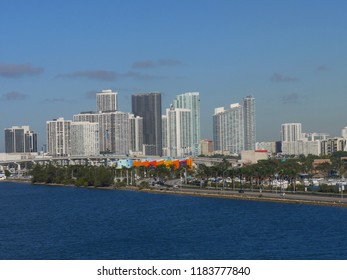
(248, 196)
(245, 196)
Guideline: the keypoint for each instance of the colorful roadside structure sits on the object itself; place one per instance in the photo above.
(154, 163)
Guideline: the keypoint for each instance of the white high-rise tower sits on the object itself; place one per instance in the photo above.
(191, 101)
(106, 101)
(179, 140)
(58, 137)
(249, 122)
(228, 129)
(291, 132)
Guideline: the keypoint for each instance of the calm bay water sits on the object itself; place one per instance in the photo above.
(45, 222)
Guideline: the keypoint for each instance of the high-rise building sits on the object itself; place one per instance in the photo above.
(106, 101)
(114, 132)
(291, 132)
(228, 129)
(20, 140)
(249, 122)
(164, 134)
(58, 137)
(89, 116)
(84, 139)
(179, 133)
(136, 134)
(191, 101)
(148, 106)
(115, 128)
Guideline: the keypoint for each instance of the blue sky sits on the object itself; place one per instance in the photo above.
(290, 55)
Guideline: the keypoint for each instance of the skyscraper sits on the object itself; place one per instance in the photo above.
(191, 101)
(136, 134)
(164, 135)
(58, 137)
(228, 129)
(291, 132)
(179, 133)
(84, 139)
(106, 101)
(20, 140)
(114, 132)
(249, 122)
(148, 106)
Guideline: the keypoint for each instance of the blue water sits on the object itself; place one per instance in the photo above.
(45, 222)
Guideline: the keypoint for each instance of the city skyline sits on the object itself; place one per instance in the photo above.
(290, 56)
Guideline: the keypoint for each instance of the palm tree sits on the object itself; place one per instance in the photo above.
(324, 167)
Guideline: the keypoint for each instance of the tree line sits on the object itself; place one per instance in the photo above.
(103, 176)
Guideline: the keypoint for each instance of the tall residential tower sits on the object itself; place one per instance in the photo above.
(228, 129)
(191, 101)
(249, 122)
(58, 137)
(179, 140)
(106, 101)
(148, 106)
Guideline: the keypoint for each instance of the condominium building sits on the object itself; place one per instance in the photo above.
(249, 122)
(148, 106)
(84, 139)
(296, 142)
(20, 139)
(191, 101)
(331, 145)
(136, 134)
(114, 132)
(291, 132)
(164, 135)
(106, 101)
(301, 147)
(228, 129)
(179, 133)
(58, 137)
(88, 116)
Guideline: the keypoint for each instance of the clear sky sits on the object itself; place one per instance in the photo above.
(290, 55)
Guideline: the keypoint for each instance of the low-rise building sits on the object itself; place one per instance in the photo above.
(252, 157)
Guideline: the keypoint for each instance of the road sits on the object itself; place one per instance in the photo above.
(289, 197)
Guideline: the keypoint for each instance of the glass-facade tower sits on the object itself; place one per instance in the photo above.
(191, 101)
(148, 106)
